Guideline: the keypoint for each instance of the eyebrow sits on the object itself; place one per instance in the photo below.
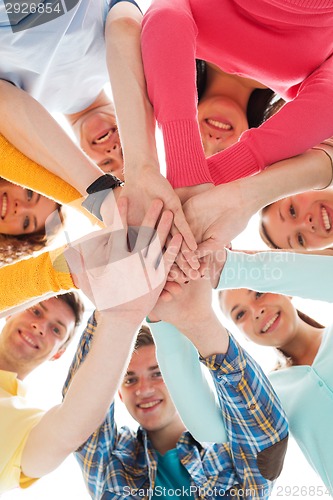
(281, 216)
(151, 369)
(238, 305)
(46, 310)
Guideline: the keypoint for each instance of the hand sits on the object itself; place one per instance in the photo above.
(111, 274)
(142, 189)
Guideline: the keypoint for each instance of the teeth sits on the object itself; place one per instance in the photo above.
(28, 339)
(148, 405)
(104, 137)
(326, 219)
(270, 322)
(4, 205)
(220, 125)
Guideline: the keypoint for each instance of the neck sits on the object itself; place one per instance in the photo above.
(101, 100)
(304, 347)
(166, 439)
(7, 366)
(233, 86)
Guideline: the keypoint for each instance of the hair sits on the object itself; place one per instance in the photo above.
(263, 103)
(143, 338)
(72, 299)
(16, 247)
(264, 235)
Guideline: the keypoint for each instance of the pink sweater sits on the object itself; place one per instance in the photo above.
(287, 45)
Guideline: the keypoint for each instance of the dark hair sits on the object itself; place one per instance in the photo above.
(144, 338)
(263, 103)
(72, 299)
(263, 230)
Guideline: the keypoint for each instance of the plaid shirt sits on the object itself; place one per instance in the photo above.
(123, 462)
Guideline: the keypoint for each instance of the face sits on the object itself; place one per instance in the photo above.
(36, 335)
(267, 319)
(97, 132)
(22, 211)
(303, 221)
(221, 122)
(144, 393)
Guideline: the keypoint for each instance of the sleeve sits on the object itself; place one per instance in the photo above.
(280, 272)
(168, 44)
(255, 421)
(114, 2)
(34, 277)
(94, 455)
(187, 383)
(299, 125)
(17, 168)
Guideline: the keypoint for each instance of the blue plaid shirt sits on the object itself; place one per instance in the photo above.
(123, 462)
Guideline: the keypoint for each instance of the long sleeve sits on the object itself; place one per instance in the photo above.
(178, 360)
(168, 29)
(34, 277)
(255, 421)
(306, 276)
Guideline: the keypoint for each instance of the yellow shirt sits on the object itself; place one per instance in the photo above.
(16, 422)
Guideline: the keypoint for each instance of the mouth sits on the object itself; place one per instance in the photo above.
(270, 323)
(4, 206)
(326, 221)
(149, 405)
(104, 136)
(218, 125)
(27, 339)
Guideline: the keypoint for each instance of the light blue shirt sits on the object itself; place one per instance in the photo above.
(61, 63)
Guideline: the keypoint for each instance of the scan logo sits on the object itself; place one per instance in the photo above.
(27, 14)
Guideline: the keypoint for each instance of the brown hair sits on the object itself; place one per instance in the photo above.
(263, 230)
(144, 338)
(13, 248)
(72, 299)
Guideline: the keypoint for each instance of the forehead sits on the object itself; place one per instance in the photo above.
(143, 359)
(230, 298)
(55, 309)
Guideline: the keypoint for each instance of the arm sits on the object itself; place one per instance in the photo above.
(212, 215)
(296, 127)
(136, 120)
(302, 275)
(65, 427)
(33, 131)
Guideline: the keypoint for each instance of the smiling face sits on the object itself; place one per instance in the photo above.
(35, 335)
(267, 319)
(303, 221)
(97, 133)
(22, 211)
(221, 122)
(144, 393)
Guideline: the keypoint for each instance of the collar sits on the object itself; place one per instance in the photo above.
(11, 384)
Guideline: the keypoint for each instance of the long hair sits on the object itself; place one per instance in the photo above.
(263, 103)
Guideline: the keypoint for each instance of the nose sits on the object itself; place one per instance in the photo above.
(259, 312)
(39, 327)
(20, 207)
(145, 389)
(308, 222)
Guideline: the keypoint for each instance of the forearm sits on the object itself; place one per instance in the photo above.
(33, 131)
(64, 428)
(183, 374)
(135, 116)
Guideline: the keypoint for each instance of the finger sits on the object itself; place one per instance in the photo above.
(177, 275)
(205, 248)
(184, 229)
(187, 270)
(147, 229)
(205, 264)
(190, 259)
(171, 252)
(121, 214)
(155, 249)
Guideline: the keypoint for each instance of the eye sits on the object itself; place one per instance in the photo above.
(35, 311)
(239, 315)
(292, 211)
(26, 223)
(56, 330)
(157, 374)
(29, 194)
(129, 381)
(258, 295)
(300, 240)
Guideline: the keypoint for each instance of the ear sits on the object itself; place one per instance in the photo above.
(58, 355)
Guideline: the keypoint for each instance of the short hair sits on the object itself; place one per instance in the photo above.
(144, 338)
(72, 299)
(264, 235)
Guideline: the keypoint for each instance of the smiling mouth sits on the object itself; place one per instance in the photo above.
(4, 206)
(219, 125)
(105, 137)
(28, 339)
(151, 404)
(326, 219)
(270, 323)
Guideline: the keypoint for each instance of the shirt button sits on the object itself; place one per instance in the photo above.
(253, 406)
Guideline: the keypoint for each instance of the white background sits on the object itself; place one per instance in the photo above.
(297, 480)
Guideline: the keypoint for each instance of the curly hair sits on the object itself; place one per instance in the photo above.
(14, 248)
